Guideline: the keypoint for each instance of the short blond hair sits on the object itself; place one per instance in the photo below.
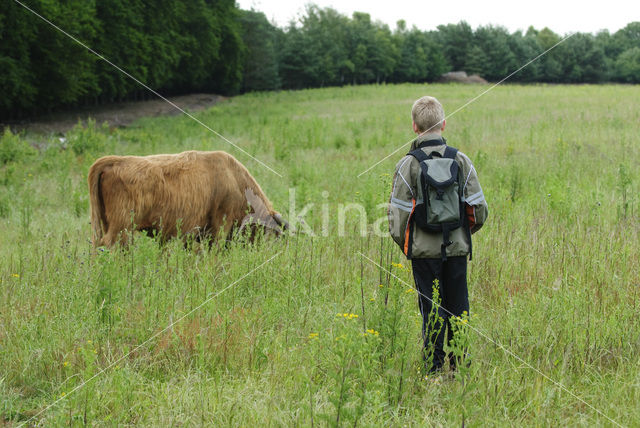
(427, 113)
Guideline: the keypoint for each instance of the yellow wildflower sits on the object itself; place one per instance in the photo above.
(66, 363)
(348, 315)
(313, 335)
(373, 299)
(15, 275)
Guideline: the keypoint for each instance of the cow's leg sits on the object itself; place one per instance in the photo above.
(114, 236)
(118, 231)
(108, 239)
(123, 237)
(218, 231)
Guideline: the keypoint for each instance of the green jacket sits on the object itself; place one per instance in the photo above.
(406, 190)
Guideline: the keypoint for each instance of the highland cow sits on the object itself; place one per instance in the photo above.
(203, 194)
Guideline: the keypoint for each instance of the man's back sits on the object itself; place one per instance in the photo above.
(415, 242)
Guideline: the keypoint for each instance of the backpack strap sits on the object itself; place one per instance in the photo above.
(450, 152)
(419, 154)
(468, 229)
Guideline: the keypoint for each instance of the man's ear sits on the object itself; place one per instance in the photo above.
(415, 127)
(444, 123)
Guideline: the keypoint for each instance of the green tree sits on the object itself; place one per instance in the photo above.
(260, 62)
(327, 33)
(420, 56)
(550, 64)
(494, 44)
(123, 40)
(52, 69)
(17, 79)
(299, 64)
(627, 66)
(582, 60)
(525, 48)
(547, 38)
(383, 56)
(225, 75)
(198, 45)
(361, 39)
(477, 62)
(625, 38)
(456, 41)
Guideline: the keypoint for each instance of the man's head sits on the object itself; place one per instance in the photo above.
(428, 116)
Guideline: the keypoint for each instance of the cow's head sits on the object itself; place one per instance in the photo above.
(281, 222)
(268, 225)
(260, 217)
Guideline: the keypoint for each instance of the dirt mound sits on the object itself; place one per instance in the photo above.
(117, 114)
(460, 77)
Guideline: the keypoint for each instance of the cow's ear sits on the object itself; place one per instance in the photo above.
(255, 203)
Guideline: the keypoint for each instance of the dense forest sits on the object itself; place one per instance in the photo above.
(211, 45)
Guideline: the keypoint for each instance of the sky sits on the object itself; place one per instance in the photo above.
(563, 17)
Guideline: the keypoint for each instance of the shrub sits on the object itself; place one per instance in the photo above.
(90, 138)
(13, 148)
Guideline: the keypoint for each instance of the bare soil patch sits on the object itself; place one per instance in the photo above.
(117, 114)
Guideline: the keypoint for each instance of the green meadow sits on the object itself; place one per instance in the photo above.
(323, 328)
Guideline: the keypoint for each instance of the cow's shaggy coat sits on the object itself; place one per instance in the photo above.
(200, 193)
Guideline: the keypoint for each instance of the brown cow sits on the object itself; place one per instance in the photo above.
(199, 193)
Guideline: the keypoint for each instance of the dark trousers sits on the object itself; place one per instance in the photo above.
(454, 299)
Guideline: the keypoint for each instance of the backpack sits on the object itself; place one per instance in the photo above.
(442, 206)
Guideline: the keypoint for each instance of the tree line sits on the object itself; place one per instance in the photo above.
(211, 45)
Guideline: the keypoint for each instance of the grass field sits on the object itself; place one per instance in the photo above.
(554, 280)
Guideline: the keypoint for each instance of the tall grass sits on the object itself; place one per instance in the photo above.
(321, 335)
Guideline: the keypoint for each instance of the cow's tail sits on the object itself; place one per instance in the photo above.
(98, 218)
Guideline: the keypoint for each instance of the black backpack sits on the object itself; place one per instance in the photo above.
(442, 207)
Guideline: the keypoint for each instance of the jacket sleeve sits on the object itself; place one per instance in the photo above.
(401, 202)
(477, 209)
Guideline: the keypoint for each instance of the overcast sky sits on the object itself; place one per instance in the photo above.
(563, 17)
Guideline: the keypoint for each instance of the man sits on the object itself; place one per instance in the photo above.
(438, 251)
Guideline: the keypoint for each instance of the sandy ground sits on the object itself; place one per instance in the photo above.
(117, 114)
